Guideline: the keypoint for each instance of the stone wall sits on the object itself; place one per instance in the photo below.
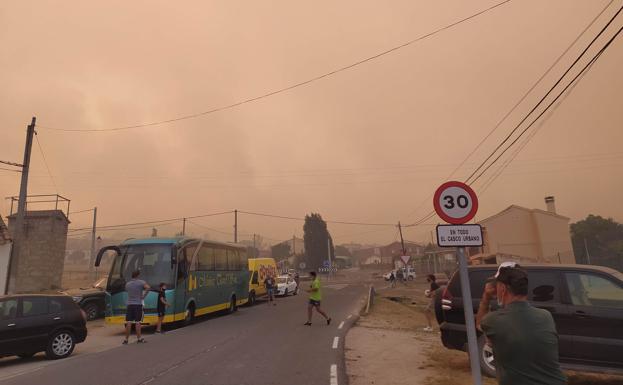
(38, 264)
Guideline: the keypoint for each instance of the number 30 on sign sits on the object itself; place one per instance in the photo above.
(455, 202)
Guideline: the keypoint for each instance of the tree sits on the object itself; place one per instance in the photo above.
(602, 238)
(316, 237)
(280, 251)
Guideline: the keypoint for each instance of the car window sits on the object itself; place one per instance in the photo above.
(543, 286)
(477, 280)
(254, 279)
(8, 309)
(55, 306)
(34, 306)
(588, 289)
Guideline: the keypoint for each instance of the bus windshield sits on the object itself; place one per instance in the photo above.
(152, 260)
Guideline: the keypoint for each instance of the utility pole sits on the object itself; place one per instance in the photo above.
(588, 256)
(235, 226)
(402, 241)
(18, 237)
(254, 243)
(183, 226)
(294, 244)
(329, 253)
(92, 259)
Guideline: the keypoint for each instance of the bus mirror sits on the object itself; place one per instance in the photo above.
(173, 256)
(98, 259)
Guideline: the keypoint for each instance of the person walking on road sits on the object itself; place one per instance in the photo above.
(315, 296)
(161, 307)
(523, 338)
(137, 290)
(269, 283)
(392, 279)
(430, 293)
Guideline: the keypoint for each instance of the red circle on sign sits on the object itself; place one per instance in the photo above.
(446, 217)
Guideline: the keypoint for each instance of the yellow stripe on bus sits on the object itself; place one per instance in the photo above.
(153, 319)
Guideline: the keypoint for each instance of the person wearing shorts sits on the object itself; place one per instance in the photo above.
(315, 296)
(136, 289)
(269, 283)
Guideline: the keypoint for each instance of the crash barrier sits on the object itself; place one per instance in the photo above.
(371, 294)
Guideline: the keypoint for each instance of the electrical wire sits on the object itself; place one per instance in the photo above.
(8, 169)
(574, 82)
(45, 162)
(542, 100)
(327, 221)
(516, 105)
(594, 59)
(293, 86)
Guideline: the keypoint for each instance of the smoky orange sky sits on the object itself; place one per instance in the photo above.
(367, 144)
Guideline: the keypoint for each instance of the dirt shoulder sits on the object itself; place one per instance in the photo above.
(390, 347)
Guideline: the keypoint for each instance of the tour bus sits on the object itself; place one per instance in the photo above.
(201, 277)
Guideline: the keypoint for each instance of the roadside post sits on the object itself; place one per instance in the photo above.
(456, 203)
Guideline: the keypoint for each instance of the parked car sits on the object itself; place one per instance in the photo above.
(32, 323)
(92, 299)
(286, 285)
(586, 303)
(441, 279)
(259, 269)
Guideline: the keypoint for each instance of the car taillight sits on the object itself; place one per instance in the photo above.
(446, 299)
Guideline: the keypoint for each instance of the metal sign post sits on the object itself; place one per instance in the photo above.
(470, 324)
(456, 203)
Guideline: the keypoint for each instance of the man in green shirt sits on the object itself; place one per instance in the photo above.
(524, 338)
(315, 296)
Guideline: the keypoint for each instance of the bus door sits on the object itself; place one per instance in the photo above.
(183, 278)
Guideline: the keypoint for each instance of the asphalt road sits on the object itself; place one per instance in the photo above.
(261, 345)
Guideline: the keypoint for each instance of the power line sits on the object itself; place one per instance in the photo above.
(46, 162)
(327, 221)
(594, 59)
(293, 86)
(8, 169)
(11, 163)
(560, 79)
(171, 220)
(516, 105)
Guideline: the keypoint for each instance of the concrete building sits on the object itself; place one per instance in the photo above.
(6, 245)
(526, 235)
(39, 265)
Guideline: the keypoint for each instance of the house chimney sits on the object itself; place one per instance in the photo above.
(551, 204)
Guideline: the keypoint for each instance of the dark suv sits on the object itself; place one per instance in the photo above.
(91, 299)
(32, 323)
(586, 303)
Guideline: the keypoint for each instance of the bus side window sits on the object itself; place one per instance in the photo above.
(233, 260)
(205, 258)
(254, 279)
(220, 257)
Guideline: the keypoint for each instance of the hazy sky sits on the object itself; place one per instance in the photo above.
(367, 144)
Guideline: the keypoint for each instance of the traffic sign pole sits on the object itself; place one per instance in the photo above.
(470, 324)
(456, 203)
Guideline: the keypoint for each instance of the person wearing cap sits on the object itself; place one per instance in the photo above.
(523, 338)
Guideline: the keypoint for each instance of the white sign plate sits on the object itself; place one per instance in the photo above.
(459, 235)
(405, 258)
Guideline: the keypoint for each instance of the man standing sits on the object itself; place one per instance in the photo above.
(269, 283)
(430, 293)
(524, 338)
(137, 289)
(315, 296)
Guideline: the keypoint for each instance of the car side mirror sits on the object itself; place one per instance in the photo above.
(100, 253)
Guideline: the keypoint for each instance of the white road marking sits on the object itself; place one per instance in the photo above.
(341, 325)
(333, 374)
(336, 341)
(349, 316)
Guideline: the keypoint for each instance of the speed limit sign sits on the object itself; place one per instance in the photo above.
(455, 202)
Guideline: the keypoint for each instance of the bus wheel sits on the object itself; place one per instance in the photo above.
(232, 305)
(189, 317)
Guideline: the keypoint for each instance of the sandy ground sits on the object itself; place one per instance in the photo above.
(389, 347)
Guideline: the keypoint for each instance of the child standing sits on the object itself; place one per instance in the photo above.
(162, 305)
